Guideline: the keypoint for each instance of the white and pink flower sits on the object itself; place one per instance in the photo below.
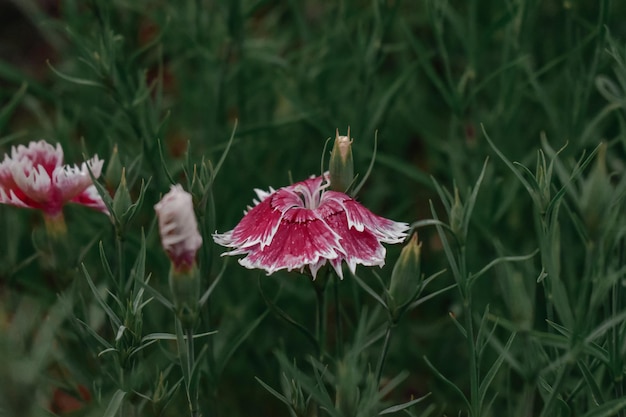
(304, 225)
(34, 176)
(178, 227)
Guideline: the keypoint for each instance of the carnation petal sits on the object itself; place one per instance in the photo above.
(90, 198)
(359, 247)
(302, 239)
(360, 218)
(261, 222)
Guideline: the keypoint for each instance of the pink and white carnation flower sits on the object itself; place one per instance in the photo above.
(178, 227)
(303, 226)
(34, 176)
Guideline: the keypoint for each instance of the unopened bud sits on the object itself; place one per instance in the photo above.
(406, 277)
(341, 165)
(596, 196)
(121, 199)
(178, 227)
(456, 215)
(114, 171)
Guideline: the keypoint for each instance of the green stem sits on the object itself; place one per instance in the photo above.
(475, 405)
(556, 388)
(339, 331)
(383, 353)
(320, 322)
(193, 392)
(119, 243)
(473, 360)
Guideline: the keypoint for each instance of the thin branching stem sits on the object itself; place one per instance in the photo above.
(383, 353)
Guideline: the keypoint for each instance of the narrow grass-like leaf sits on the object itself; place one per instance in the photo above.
(220, 162)
(234, 342)
(115, 403)
(471, 200)
(157, 295)
(400, 407)
(491, 374)
(370, 291)
(8, 108)
(164, 162)
(275, 393)
(596, 392)
(474, 277)
(95, 335)
(216, 281)
(185, 366)
(457, 324)
(430, 296)
(75, 80)
(608, 409)
(356, 189)
(280, 313)
(447, 249)
(449, 383)
(116, 321)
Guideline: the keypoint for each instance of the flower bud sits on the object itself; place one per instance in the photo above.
(341, 165)
(406, 278)
(121, 200)
(456, 215)
(596, 197)
(114, 171)
(178, 228)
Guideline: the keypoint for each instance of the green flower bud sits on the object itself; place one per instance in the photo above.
(341, 165)
(456, 215)
(185, 288)
(114, 172)
(406, 278)
(597, 196)
(121, 199)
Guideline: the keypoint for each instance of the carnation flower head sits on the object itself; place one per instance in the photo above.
(178, 227)
(34, 176)
(303, 226)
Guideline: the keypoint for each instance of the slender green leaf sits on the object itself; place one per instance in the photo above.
(400, 407)
(449, 383)
(115, 403)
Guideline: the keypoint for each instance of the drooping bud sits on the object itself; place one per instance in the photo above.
(180, 239)
(406, 278)
(178, 227)
(341, 165)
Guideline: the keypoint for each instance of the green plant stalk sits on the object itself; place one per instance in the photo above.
(555, 390)
(471, 343)
(119, 244)
(320, 321)
(338, 328)
(540, 227)
(193, 386)
(473, 365)
(615, 332)
(383, 353)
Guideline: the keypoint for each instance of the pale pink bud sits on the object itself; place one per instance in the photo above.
(178, 227)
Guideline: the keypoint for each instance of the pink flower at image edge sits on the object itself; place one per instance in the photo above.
(303, 225)
(35, 177)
